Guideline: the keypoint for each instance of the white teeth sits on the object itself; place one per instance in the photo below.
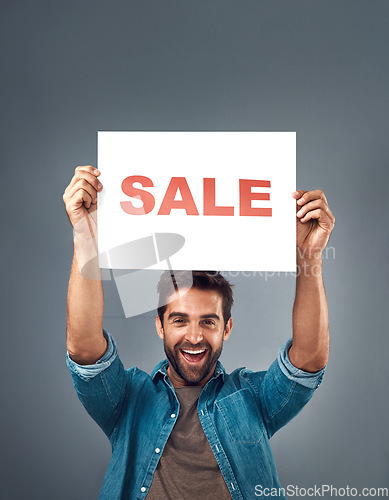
(193, 352)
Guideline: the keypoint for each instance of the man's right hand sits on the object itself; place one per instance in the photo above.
(80, 198)
(85, 340)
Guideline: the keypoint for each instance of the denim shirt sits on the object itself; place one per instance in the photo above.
(239, 412)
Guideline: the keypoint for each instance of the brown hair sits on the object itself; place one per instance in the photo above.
(172, 281)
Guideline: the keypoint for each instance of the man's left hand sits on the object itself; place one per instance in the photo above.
(314, 223)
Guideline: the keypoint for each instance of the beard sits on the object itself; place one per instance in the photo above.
(192, 375)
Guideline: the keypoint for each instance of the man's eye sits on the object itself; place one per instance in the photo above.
(209, 322)
(179, 320)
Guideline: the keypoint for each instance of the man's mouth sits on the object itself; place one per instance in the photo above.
(193, 355)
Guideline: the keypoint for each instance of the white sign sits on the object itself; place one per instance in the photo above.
(197, 200)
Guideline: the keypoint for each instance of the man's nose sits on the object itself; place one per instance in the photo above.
(194, 333)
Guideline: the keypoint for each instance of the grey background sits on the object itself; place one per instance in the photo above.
(68, 69)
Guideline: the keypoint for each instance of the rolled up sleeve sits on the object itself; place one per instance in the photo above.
(102, 387)
(87, 372)
(310, 380)
(284, 389)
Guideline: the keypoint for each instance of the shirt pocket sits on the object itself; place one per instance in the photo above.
(242, 417)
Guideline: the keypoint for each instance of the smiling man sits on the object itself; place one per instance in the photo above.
(192, 325)
(190, 430)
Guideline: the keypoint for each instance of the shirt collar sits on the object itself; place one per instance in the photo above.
(162, 367)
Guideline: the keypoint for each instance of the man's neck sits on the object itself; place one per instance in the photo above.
(178, 381)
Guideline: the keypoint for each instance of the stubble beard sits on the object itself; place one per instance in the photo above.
(192, 374)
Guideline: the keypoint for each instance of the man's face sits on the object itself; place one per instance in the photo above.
(193, 333)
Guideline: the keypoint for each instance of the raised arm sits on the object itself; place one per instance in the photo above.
(314, 220)
(85, 340)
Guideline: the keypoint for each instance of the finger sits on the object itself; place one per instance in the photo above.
(83, 184)
(91, 178)
(311, 195)
(313, 205)
(81, 196)
(78, 173)
(297, 194)
(87, 168)
(317, 203)
(88, 176)
(320, 215)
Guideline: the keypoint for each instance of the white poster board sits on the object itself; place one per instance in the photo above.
(202, 200)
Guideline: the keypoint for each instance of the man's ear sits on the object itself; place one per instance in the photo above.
(227, 329)
(159, 327)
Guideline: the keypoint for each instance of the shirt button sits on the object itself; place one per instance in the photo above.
(173, 415)
(157, 450)
(143, 489)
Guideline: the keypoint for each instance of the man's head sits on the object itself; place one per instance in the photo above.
(194, 319)
(171, 281)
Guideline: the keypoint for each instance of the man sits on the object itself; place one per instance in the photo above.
(190, 430)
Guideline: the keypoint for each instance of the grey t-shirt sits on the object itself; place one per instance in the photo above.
(188, 469)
